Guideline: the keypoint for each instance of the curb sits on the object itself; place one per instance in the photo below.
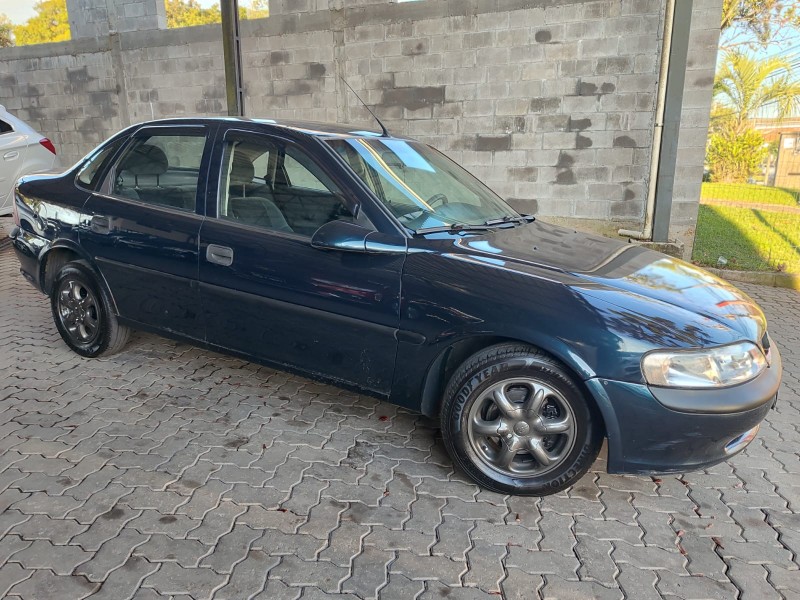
(782, 280)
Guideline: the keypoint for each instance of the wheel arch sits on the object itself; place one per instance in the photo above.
(450, 358)
(60, 253)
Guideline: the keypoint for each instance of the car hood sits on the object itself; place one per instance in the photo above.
(597, 265)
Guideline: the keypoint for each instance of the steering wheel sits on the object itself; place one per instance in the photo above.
(437, 198)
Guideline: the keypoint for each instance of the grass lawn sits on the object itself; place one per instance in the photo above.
(750, 239)
(747, 192)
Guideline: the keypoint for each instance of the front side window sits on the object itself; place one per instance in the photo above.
(161, 169)
(421, 186)
(269, 185)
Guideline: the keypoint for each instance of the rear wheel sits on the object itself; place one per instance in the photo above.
(83, 314)
(516, 422)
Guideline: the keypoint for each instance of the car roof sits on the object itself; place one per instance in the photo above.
(312, 128)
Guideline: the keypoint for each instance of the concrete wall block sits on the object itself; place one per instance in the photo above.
(580, 104)
(562, 14)
(492, 56)
(482, 39)
(430, 27)
(511, 38)
(524, 53)
(562, 50)
(492, 91)
(640, 44)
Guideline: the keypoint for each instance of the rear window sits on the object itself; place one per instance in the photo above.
(89, 175)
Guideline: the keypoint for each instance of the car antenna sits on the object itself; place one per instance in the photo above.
(374, 116)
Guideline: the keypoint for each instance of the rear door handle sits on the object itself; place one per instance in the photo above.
(100, 225)
(219, 255)
(10, 155)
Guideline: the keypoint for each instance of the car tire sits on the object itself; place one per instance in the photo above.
(516, 422)
(83, 312)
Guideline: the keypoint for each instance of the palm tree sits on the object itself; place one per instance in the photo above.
(744, 85)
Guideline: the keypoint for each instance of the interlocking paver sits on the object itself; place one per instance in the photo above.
(42, 527)
(173, 579)
(46, 584)
(112, 555)
(41, 554)
(10, 575)
(162, 548)
(231, 549)
(323, 575)
(369, 573)
(249, 576)
(170, 471)
(123, 583)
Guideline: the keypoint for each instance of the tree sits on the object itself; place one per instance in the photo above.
(6, 31)
(735, 157)
(49, 24)
(188, 13)
(259, 9)
(759, 21)
(744, 85)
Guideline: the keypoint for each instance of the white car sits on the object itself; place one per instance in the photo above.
(22, 151)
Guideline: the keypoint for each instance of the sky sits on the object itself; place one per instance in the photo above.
(18, 11)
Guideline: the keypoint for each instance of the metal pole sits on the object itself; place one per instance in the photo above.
(232, 52)
(676, 77)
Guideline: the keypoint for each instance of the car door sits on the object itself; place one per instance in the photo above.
(268, 294)
(13, 146)
(143, 223)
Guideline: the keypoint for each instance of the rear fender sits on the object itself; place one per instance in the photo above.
(55, 252)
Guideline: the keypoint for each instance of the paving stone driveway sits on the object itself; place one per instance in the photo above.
(168, 471)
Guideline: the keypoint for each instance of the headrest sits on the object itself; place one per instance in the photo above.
(242, 170)
(146, 160)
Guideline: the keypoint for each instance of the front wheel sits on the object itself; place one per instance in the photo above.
(515, 421)
(83, 314)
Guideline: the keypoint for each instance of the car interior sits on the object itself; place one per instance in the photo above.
(268, 187)
(145, 174)
(262, 185)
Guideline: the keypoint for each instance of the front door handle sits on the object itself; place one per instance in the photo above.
(11, 155)
(219, 255)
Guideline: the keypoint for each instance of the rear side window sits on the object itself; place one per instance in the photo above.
(5, 127)
(161, 169)
(91, 171)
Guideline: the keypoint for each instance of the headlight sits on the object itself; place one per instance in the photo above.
(707, 368)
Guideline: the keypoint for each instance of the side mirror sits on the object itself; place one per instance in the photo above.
(351, 237)
(341, 235)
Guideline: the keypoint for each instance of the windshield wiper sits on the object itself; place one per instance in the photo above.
(453, 228)
(509, 219)
(486, 226)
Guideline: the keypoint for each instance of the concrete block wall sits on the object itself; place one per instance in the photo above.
(552, 104)
(92, 18)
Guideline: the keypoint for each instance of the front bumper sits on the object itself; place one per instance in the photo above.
(646, 434)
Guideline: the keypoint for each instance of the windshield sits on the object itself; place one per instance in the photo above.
(421, 186)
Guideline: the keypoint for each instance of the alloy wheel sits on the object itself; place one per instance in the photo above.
(78, 311)
(521, 427)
